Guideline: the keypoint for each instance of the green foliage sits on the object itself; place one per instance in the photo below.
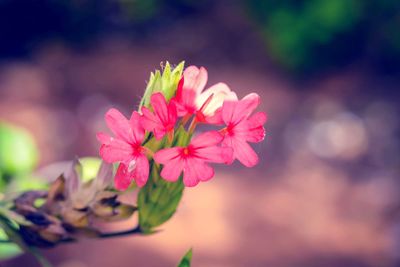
(294, 29)
(165, 82)
(186, 260)
(90, 167)
(158, 200)
(302, 35)
(8, 250)
(18, 151)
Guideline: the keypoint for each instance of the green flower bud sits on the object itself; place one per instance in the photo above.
(166, 82)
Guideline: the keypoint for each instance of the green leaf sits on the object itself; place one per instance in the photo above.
(18, 152)
(186, 260)
(90, 167)
(158, 200)
(8, 250)
(11, 230)
(165, 82)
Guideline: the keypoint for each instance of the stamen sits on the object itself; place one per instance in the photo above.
(205, 104)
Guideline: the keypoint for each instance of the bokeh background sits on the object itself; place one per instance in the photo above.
(326, 190)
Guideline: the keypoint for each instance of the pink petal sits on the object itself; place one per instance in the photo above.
(248, 104)
(206, 139)
(173, 169)
(123, 177)
(159, 133)
(180, 108)
(256, 131)
(149, 121)
(137, 128)
(244, 153)
(228, 142)
(195, 78)
(159, 105)
(172, 112)
(215, 154)
(220, 93)
(104, 138)
(257, 119)
(228, 109)
(186, 102)
(234, 112)
(116, 150)
(141, 172)
(163, 156)
(195, 171)
(216, 118)
(119, 125)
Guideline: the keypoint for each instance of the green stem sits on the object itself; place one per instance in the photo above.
(135, 230)
(132, 231)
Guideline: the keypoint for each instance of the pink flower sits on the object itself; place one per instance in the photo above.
(191, 99)
(163, 120)
(125, 148)
(242, 128)
(193, 159)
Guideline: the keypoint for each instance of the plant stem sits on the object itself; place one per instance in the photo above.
(135, 230)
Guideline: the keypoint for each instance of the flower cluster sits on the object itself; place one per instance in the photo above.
(165, 119)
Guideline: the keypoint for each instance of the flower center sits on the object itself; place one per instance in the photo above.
(228, 130)
(186, 151)
(137, 149)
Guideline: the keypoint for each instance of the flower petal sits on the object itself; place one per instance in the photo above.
(228, 142)
(141, 172)
(195, 171)
(244, 153)
(172, 170)
(163, 156)
(172, 112)
(235, 111)
(220, 92)
(215, 154)
(160, 107)
(119, 125)
(256, 131)
(137, 128)
(116, 150)
(123, 177)
(149, 121)
(206, 139)
(104, 138)
(195, 78)
(216, 118)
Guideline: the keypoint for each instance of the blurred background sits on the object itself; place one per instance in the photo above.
(326, 190)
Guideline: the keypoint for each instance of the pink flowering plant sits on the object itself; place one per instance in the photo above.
(160, 149)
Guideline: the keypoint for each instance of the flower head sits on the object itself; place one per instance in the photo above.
(191, 99)
(126, 148)
(163, 120)
(242, 128)
(193, 159)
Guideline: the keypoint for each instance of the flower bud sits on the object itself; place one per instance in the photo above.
(165, 82)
